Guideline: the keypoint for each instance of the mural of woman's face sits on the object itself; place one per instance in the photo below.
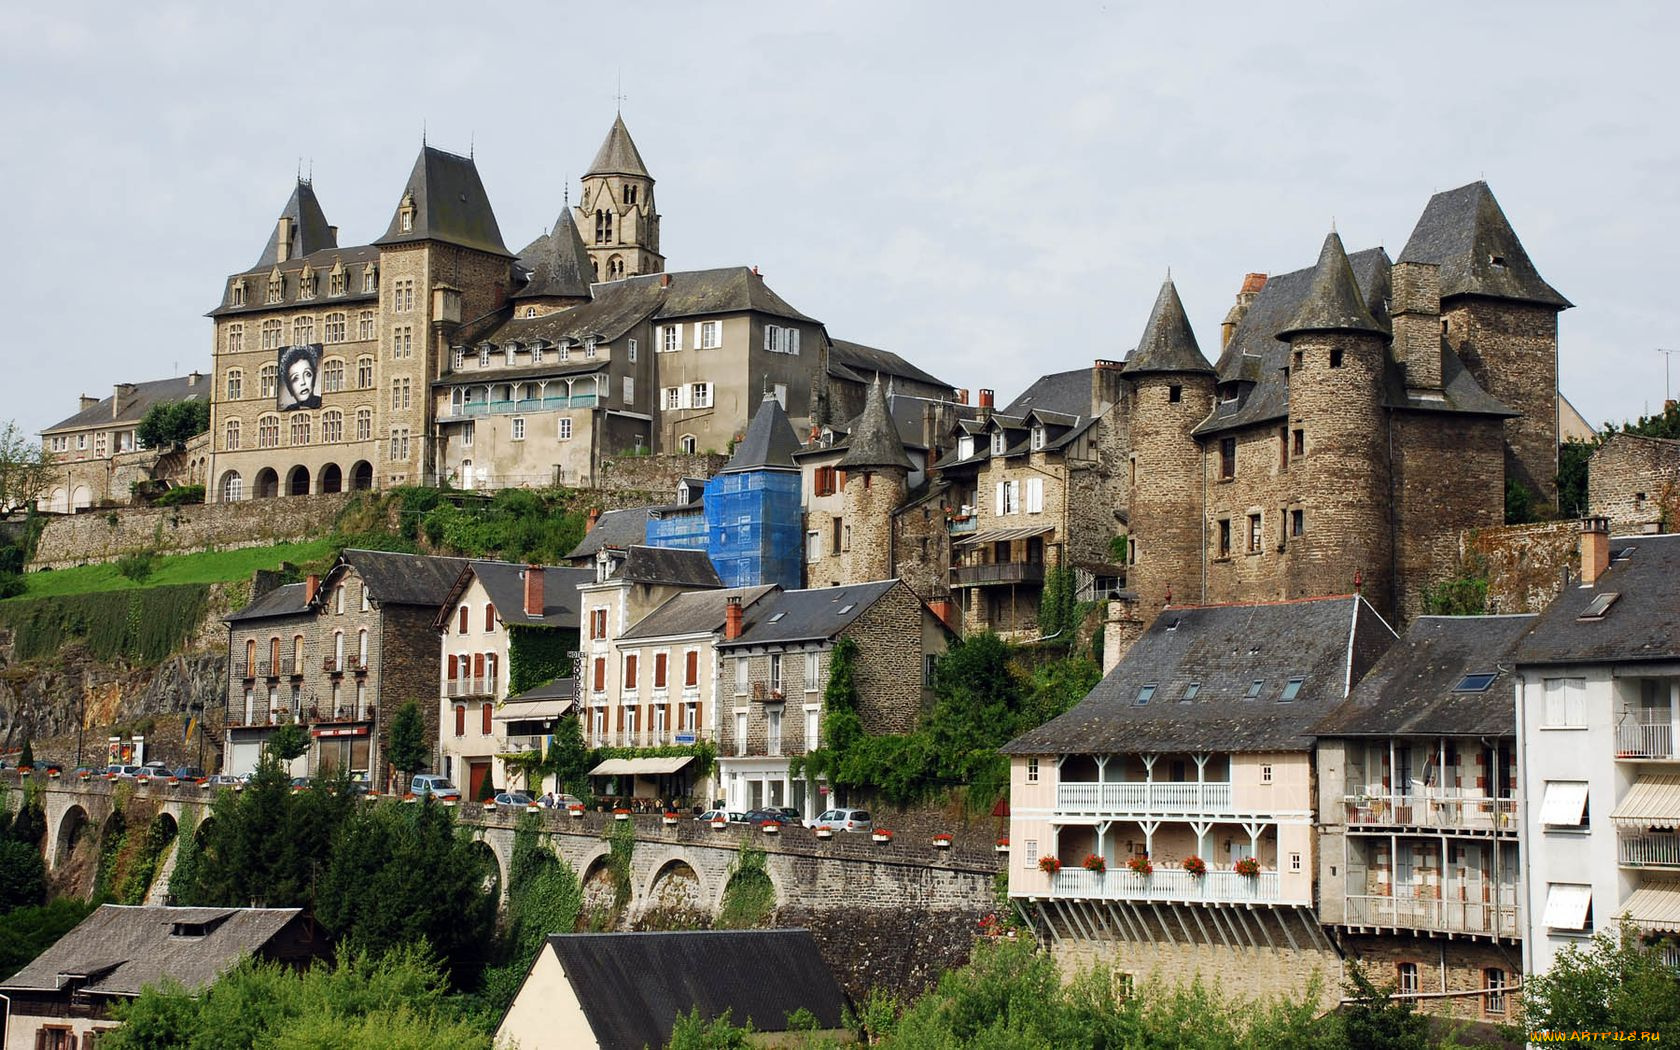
(300, 379)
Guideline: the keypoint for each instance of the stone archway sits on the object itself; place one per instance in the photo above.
(69, 832)
(330, 479)
(674, 891)
(361, 476)
(490, 864)
(600, 894)
(266, 484)
(297, 481)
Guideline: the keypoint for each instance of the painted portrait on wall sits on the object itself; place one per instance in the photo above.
(300, 371)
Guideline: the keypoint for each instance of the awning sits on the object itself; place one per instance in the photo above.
(1000, 535)
(1566, 906)
(1655, 907)
(533, 710)
(640, 767)
(1564, 803)
(1654, 802)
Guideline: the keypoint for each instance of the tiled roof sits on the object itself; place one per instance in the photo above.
(682, 568)
(1068, 392)
(863, 363)
(874, 440)
(403, 579)
(286, 600)
(504, 582)
(1333, 302)
(450, 205)
(615, 528)
(558, 263)
(310, 230)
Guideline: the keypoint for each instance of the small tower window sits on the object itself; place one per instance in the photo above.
(405, 214)
(1335, 357)
(1497, 260)
(1175, 393)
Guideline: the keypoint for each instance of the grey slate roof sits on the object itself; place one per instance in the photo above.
(1410, 690)
(1463, 231)
(286, 600)
(135, 406)
(1225, 648)
(874, 440)
(729, 289)
(1642, 624)
(618, 154)
(450, 205)
(1333, 302)
(808, 615)
(768, 444)
(558, 689)
(322, 261)
(615, 528)
(504, 582)
(310, 230)
(558, 263)
(121, 949)
(696, 612)
(855, 361)
(1168, 344)
(632, 986)
(1068, 392)
(402, 579)
(682, 568)
(616, 308)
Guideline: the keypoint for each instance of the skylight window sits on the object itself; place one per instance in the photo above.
(1624, 553)
(1292, 689)
(1254, 688)
(1174, 625)
(1145, 694)
(1475, 682)
(1600, 605)
(1190, 692)
(848, 607)
(777, 617)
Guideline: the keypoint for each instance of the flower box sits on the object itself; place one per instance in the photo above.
(669, 819)
(142, 781)
(621, 814)
(1248, 868)
(24, 771)
(489, 806)
(532, 808)
(84, 776)
(173, 781)
(1138, 863)
(52, 774)
(1195, 865)
(1049, 864)
(1002, 846)
(1094, 862)
(451, 802)
(942, 840)
(823, 831)
(881, 835)
(204, 785)
(409, 797)
(770, 827)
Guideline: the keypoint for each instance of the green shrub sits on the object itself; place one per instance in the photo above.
(138, 566)
(144, 625)
(180, 495)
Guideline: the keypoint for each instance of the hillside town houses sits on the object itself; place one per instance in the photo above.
(1292, 761)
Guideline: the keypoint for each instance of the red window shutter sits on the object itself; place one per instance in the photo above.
(600, 673)
(489, 617)
(451, 668)
(478, 665)
(274, 654)
(659, 662)
(630, 671)
(463, 619)
(692, 672)
(620, 710)
(460, 719)
(486, 727)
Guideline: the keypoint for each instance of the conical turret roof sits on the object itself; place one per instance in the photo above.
(769, 443)
(310, 232)
(1168, 344)
(558, 261)
(1332, 302)
(618, 155)
(874, 440)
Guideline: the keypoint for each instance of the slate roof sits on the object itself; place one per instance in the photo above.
(874, 440)
(632, 986)
(855, 361)
(1333, 302)
(1463, 231)
(768, 444)
(558, 689)
(729, 289)
(134, 408)
(1411, 689)
(616, 308)
(1168, 344)
(558, 263)
(618, 154)
(696, 612)
(504, 582)
(1068, 392)
(615, 528)
(310, 230)
(322, 261)
(285, 600)
(121, 949)
(450, 205)
(1225, 648)
(683, 568)
(808, 615)
(402, 579)
(1642, 624)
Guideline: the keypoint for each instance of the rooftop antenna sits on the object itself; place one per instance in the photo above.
(472, 144)
(1668, 359)
(422, 132)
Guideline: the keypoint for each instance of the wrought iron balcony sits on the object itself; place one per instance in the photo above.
(1648, 851)
(1636, 741)
(464, 687)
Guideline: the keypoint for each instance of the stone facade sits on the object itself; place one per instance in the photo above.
(89, 538)
(1635, 482)
(1459, 968)
(1249, 970)
(1526, 566)
(660, 473)
(1162, 465)
(1512, 349)
(871, 497)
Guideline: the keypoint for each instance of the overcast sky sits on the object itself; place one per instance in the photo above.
(993, 190)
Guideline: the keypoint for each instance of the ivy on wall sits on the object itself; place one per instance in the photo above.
(538, 655)
(144, 625)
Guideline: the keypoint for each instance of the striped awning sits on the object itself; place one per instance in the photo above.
(1654, 802)
(1655, 906)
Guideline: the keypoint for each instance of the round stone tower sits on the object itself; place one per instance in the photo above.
(1172, 391)
(877, 475)
(1338, 536)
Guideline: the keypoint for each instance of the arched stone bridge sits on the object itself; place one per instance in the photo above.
(687, 864)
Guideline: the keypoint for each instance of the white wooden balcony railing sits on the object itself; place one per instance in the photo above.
(1634, 740)
(1188, 798)
(1466, 814)
(469, 686)
(529, 742)
(1649, 851)
(1167, 885)
(1426, 913)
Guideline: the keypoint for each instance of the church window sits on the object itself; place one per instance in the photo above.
(364, 372)
(1228, 458)
(332, 375)
(364, 424)
(334, 328)
(231, 441)
(332, 426)
(235, 338)
(266, 377)
(629, 193)
(1335, 357)
(303, 331)
(603, 226)
(235, 384)
(615, 267)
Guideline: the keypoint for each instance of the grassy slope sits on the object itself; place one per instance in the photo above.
(204, 567)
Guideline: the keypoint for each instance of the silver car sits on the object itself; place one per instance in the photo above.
(843, 820)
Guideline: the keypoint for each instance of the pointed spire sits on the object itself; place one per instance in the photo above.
(1332, 302)
(618, 155)
(874, 440)
(1465, 232)
(768, 444)
(1168, 343)
(558, 262)
(449, 204)
(309, 229)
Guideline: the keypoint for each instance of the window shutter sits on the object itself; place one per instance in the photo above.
(793, 347)
(768, 336)
(1000, 498)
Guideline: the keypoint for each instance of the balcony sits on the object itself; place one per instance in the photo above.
(342, 713)
(474, 409)
(1648, 851)
(1648, 742)
(527, 742)
(269, 669)
(1487, 815)
(1444, 916)
(962, 526)
(996, 573)
(247, 671)
(1175, 886)
(1168, 798)
(464, 687)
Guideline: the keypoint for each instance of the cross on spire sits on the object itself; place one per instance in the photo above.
(619, 97)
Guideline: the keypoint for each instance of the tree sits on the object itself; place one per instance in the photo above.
(486, 789)
(27, 932)
(567, 758)
(1613, 982)
(1375, 1020)
(25, 470)
(288, 742)
(171, 423)
(23, 875)
(408, 739)
(26, 760)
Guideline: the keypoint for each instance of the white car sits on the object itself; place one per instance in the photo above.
(843, 820)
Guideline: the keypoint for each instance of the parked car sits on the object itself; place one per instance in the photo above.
(513, 798)
(789, 814)
(843, 820)
(190, 773)
(435, 785)
(129, 771)
(732, 816)
(227, 779)
(760, 817)
(300, 783)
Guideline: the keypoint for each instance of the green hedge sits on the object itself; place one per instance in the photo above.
(144, 625)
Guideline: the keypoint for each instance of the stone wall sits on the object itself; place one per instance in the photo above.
(656, 474)
(1526, 565)
(1449, 476)
(1443, 966)
(1511, 349)
(1635, 482)
(1163, 475)
(101, 536)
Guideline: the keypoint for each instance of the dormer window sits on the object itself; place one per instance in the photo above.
(565, 352)
(965, 447)
(335, 280)
(1037, 438)
(236, 293)
(370, 282)
(530, 311)
(589, 347)
(306, 284)
(484, 357)
(276, 286)
(508, 355)
(1000, 442)
(405, 215)
(459, 358)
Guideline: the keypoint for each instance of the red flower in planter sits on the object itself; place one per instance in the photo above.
(1094, 862)
(1049, 865)
(1140, 864)
(1195, 865)
(1248, 867)
(942, 836)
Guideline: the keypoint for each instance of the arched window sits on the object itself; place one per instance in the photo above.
(338, 645)
(268, 431)
(250, 657)
(230, 439)
(603, 226)
(334, 328)
(233, 487)
(300, 428)
(364, 424)
(274, 655)
(615, 267)
(361, 647)
(332, 426)
(338, 601)
(688, 444)
(332, 374)
(297, 654)
(235, 384)
(489, 617)
(266, 379)
(303, 331)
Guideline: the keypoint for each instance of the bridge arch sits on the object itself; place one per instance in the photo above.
(493, 867)
(67, 834)
(676, 884)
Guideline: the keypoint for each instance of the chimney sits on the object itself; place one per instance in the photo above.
(946, 610)
(283, 239)
(962, 395)
(120, 396)
(816, 432)
(1106, 387)
(664, 280)
(311, 585)
(594, 516)
(1595, 548)
(1251, 285)
(985, 403)
(193, 378)
(1416, 310)
(533, 590)
(332, 236)
(87, 402)
(732, 617)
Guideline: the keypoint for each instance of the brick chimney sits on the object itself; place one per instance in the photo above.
(732, 617)
(986, 397)
(1251, 286)
(533, 590)
(1417, 323)
(87, 402)
(311, 586)
(1595, 548)
(1105, 386)
(962, 395)
(594, 516)
(946, 610)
